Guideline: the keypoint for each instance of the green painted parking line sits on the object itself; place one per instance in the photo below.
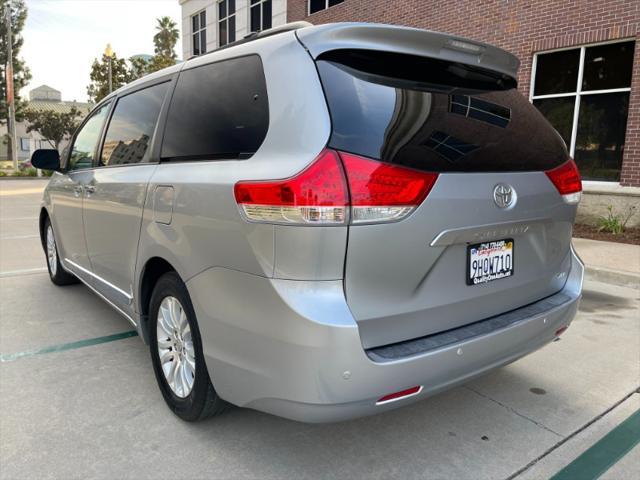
(10, 357)
(604, 453)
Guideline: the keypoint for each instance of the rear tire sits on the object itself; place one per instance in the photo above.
(57, 273)
(174, 336)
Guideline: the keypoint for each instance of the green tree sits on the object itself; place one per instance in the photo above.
(139, 67)
(21, 74)
(165, 39)
(99, 76)
(53, 126)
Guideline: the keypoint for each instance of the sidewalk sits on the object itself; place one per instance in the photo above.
(609, 262)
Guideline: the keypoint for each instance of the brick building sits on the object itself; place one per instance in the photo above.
(580, 64)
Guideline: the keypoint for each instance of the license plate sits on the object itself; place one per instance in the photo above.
(489, 261)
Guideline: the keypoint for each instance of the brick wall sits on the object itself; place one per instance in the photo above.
(521, 27)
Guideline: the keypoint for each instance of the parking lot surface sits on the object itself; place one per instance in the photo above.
(88, 407)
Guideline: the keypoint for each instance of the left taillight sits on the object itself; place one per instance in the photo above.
(566, 179)
(336, 188)
(317, 195)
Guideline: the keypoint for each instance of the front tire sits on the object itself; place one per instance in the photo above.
(57, 273)
(176, 352)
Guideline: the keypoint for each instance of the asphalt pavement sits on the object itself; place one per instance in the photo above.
(78, 398)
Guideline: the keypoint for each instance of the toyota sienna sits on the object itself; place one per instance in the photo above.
(321, 222)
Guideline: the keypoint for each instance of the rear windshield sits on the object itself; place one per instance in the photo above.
(434, 115)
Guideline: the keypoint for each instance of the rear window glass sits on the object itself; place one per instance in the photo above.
(445, 118)
(218, 111)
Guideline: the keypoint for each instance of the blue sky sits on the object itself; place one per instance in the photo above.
(62, 37)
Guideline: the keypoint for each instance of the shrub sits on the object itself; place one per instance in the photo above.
(615, 223)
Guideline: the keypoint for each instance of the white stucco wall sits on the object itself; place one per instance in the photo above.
(190, 7)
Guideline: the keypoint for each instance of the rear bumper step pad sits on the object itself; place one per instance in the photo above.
(408, 348)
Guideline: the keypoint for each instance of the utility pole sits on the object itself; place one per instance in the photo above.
(109, 53)
(11, 123)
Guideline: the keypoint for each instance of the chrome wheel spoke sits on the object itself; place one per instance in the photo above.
(164, 342)
(164, 323)
(166, 356)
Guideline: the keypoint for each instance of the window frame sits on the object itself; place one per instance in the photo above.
(203, 28)
(108, 102)
(226, 20)
(578, 93)
(259, 5)
(22, 139)
(326, 7)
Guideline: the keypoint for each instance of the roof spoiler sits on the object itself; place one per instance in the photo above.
(287, 27)
(413, 41)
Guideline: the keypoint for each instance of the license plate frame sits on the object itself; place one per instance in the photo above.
(481, 250)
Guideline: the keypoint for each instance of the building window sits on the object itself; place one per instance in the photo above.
(584, 93)
(317, 5)
(226, 22)
(24, 144)
(260, 15)
(199, 35)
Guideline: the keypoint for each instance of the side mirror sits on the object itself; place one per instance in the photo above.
(46, 159)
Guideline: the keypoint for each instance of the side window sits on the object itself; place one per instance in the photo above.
(218, 111)
(86, 141)
(131, 126)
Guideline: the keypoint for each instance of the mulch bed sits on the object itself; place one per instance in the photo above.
(630, 235)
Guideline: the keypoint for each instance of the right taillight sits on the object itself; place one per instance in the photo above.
(335, 188)
(566, 179)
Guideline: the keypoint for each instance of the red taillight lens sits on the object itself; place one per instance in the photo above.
(377, 192)
(381, 192)
(566, 178)
(318, 194)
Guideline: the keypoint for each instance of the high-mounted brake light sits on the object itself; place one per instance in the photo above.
(319, 195)
(566, 178)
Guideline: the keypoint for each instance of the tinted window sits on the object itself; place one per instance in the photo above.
(608, 66)
(86, 141)
(440, 124)
(131, 126)
(602, 123)
(557, 72)
(218, 111)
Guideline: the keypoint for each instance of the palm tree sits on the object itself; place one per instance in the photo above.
(165, 39)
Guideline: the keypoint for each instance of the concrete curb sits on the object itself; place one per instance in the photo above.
(613, 277)
(25, 178)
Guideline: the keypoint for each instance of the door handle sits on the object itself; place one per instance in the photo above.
(90, 189)
(77, 190)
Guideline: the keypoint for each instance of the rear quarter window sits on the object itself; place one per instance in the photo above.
(218, 111)
(440, 118)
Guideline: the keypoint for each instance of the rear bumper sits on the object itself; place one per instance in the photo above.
(292, 348)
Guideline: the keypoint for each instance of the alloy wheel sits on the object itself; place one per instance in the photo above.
(175, 347)
(52, 252)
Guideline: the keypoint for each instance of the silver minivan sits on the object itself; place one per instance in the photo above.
(321, 222)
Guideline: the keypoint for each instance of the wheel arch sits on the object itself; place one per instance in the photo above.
(153, 269)
(44, 214)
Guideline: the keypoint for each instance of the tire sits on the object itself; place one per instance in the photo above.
(181, 351)
(57, 273)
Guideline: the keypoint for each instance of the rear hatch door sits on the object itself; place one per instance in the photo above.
(437, 269)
